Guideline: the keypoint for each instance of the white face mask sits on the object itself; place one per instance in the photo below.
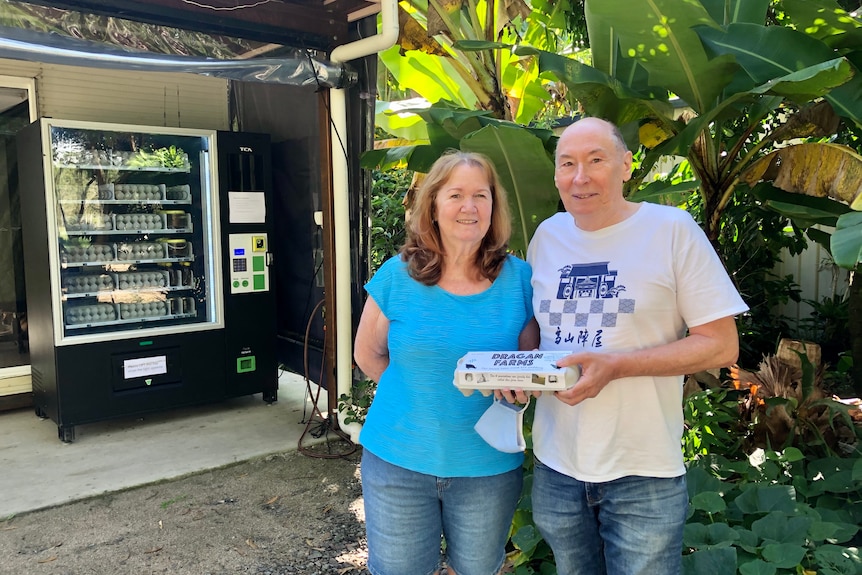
(502, 426)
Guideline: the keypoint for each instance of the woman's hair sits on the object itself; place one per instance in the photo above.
(423, 249)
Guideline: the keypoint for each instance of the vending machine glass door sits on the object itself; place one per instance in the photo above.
(134, 220)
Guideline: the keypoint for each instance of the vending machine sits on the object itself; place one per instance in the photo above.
(147, 267)
(245, 193)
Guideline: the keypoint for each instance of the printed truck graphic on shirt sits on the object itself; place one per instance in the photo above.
(588, 301)
(593, 280)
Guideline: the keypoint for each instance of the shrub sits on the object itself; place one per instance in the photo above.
(387, 214)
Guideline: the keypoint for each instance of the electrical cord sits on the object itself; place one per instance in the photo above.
(317, 424)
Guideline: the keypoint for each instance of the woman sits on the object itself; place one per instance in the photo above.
(452, 289)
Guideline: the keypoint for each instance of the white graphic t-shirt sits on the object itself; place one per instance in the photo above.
(633, 285)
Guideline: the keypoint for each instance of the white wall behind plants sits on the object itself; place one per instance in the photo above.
(817, 276)
(126, 97)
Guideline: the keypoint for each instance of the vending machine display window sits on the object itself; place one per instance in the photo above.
(130, 229)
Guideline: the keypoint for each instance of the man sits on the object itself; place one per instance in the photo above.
(639, 295)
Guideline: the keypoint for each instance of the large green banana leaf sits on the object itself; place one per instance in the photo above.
(606, 57)
(847, 241)
(724, 12)
(445, 124)
(826, 21)
(805, 211)
(767, 52)
(807, 80)
(659, 34)
(526, 172)
(415, 157)
(598, 93)
(431, 77)
(390, 117)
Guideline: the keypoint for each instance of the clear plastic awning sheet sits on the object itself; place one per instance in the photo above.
(54, 36)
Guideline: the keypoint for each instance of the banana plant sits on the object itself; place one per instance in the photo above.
(761, 104)
(731, 70)
(750, 87)
(485, 87)
(428, 59)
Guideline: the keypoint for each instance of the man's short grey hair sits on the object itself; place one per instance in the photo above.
(616, 133)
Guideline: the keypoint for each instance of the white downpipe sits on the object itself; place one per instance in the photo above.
(387, 37)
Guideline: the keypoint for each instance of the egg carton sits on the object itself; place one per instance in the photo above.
(135, 251)
(139, 192)
(138, 280)
(106, 191)
(139, 222)
(86, 254)
(88, 283)
(90, 313)
(527, 370)
(90, 222)
(102, 157)
(143, 310)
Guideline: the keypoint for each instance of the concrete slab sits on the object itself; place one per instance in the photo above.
(37, 470)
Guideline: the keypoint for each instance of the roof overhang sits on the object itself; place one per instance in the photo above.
(315, 24)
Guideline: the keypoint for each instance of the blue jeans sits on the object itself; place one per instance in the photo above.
(629, 526)
(406, 513)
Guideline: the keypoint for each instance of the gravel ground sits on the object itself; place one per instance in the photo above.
(288, 513)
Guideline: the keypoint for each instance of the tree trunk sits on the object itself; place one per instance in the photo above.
(854, 324)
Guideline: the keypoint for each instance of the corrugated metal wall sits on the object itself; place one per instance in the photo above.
(127, 97)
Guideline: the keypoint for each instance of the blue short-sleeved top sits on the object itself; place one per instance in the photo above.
(419, 420)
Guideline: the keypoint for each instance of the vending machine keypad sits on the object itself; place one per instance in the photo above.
(249, 269)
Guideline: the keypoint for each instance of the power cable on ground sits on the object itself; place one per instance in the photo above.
(318, 424)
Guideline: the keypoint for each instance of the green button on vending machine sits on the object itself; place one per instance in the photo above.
(245, 364)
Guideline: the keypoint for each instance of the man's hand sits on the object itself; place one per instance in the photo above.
(710, 345)
(597, 370)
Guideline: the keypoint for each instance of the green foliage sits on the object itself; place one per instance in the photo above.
(790, 511)
(838, 380)
(827, 326)
(387, 214)
(774, 512)
(169, 157)
(355, 404)
(846, 246)
(752, 85)
(712, 424)
(462, 55)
